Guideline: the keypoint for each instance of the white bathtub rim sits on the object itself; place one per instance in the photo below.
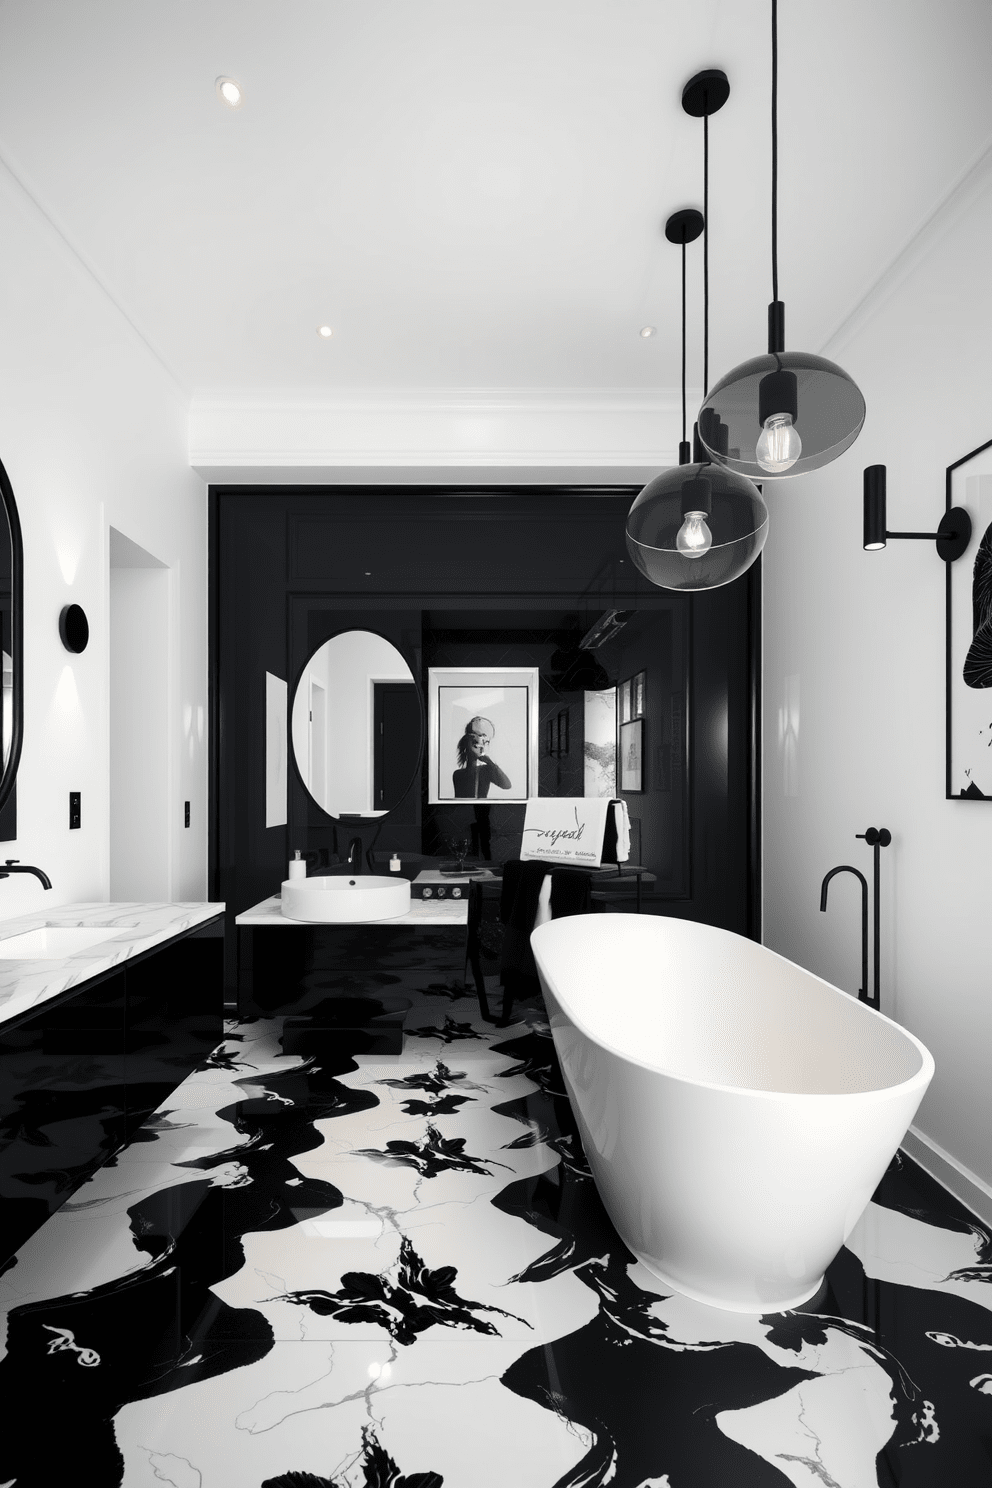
(920, 1081)
(725, 1305)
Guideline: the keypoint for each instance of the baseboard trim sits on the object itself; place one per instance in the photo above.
(966, 1186)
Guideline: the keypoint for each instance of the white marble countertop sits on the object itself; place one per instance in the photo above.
(421, 912)
(134, 928)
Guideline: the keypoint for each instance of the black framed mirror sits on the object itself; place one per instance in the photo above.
(357, 726)
(12, 648)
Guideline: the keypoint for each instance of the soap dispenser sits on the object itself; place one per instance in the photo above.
(297, 865)
(395, 866)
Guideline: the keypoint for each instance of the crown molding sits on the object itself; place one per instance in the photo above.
(329, 436)
(970, 186)
(50, 223)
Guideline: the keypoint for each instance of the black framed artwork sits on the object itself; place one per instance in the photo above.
(632, 756)
(623, 701)
(563, 733)
(556, 735)
(969, 633)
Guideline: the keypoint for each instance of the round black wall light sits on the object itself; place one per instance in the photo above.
(74, 628)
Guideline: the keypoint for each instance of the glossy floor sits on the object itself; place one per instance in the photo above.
(394, 1272)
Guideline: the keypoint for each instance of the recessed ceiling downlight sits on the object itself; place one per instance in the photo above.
(647, 331)
(325, 332)
(230, 92)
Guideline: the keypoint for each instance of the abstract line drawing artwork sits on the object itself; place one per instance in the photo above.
(977, 669)
(969, 636)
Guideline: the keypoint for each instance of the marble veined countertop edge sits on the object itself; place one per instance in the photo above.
(421, 912)
(136, 927)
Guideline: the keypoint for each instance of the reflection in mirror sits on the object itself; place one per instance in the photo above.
(7, 696)
(11, 683)
(357, 725)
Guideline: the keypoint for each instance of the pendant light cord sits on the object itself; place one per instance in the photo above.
(774, 149)
(706, 254)
(683, 340)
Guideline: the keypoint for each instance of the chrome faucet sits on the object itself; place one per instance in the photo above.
(846, 868)
(14, 865)
(354, 858)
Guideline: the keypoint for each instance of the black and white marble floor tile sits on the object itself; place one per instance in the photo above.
(350, 1271)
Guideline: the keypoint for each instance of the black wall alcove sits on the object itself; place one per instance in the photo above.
(484, 576)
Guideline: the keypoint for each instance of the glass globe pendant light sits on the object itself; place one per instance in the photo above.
(698, 526)
(787, 412)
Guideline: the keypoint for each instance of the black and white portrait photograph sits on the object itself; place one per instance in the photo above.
(482, 734)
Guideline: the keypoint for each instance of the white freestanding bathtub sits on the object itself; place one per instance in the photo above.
(737, 1111)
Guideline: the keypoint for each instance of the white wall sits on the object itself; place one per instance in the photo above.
(93, 432)
(140, 777)
(854, 680)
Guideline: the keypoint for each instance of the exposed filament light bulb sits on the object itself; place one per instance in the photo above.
(694, 537)
(779, 445)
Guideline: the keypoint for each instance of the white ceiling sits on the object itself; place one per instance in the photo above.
(473, 196)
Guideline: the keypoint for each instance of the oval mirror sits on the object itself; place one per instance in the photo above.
(357, 725)
(12, 687)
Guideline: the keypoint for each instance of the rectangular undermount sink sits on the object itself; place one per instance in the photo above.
(345, 900)
(52, 942)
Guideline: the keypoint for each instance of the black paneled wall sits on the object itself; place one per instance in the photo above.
(483, 577)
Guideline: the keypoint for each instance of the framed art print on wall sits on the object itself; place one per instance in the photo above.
(623, 702)
(482, 733)
(632, 756)
(599, 743)
(969, 634)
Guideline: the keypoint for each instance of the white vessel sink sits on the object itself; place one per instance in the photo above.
(52, 942)
(341, 900)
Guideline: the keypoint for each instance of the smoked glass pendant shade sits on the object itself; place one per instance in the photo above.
(736, 520)
(830, 411)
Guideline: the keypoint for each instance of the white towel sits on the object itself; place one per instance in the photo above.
(622, 819)
(543, 903)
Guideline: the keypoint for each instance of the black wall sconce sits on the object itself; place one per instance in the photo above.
(953, 532)
(74, 628)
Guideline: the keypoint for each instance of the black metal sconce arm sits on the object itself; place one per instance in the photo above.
(953, 532)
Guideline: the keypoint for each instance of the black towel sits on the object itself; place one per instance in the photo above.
(570, 894)
(609, 854)
(517, 908)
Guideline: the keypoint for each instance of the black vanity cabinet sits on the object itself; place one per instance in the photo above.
(293, 970)
(80, 1074)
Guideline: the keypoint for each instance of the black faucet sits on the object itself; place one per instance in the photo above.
(876, 838)
(14, 865)
(846, 868)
